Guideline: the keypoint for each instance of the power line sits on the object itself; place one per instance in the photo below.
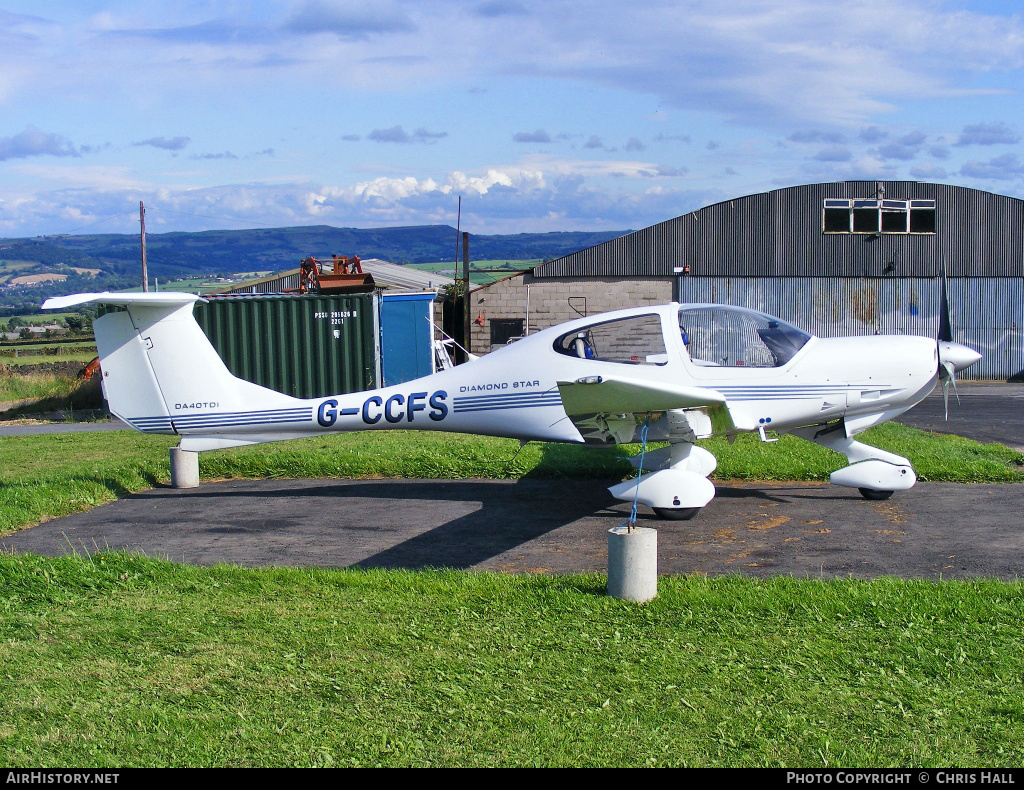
(97, 222)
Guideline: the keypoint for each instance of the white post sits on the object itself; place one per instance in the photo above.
(527, 330)
(184, 468)
(633, 563)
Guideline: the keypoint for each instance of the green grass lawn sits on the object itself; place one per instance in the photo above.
(72, 346)
(19, 354)
(117, 660)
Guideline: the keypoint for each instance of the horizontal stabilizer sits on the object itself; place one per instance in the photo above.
(602, 395)
(121, 299)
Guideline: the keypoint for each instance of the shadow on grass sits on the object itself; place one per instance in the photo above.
(581, 462)
(120, 490)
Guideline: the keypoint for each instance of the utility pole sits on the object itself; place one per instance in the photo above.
(466, 322)
(142, 222)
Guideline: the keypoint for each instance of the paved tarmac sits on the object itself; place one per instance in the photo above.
(935, 530)
(542, 526)
(17, 429)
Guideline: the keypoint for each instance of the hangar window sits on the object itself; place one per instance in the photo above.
(872, 216)
(922, 216)
(636, 340)
(865, 216)
(837, 218)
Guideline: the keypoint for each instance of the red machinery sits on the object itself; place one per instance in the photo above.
(347, 276)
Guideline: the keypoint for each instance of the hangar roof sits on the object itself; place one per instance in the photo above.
(839, 229)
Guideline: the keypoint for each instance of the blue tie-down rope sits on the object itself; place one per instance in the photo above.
(628, 524)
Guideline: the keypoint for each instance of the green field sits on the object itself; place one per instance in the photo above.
(11, 269)
(38, 319)
(83, 356)
(19, 354)
(479, 278)
(37, 387)
(193, 285)
(48, 347)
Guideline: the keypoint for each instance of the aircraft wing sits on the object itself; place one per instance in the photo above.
(606, 410)
(604, 395)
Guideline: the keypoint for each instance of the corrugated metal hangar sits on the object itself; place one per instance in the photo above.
(844, 258)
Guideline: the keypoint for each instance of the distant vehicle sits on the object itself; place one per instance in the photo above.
(676, 373)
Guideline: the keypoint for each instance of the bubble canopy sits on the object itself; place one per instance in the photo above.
(726, 336)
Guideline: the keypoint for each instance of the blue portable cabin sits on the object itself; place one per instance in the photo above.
(406, 336)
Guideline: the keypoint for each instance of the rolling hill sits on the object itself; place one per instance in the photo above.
(181, 255)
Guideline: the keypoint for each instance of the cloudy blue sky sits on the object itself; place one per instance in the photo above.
(541, 115)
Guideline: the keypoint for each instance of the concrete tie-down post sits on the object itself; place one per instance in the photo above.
(633, 563)
(184, 468)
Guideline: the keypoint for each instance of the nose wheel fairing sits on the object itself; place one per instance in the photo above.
(870, 470)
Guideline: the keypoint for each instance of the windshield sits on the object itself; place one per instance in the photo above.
(722, 336)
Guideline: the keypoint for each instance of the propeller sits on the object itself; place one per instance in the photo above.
(951, 356)
(947, 375)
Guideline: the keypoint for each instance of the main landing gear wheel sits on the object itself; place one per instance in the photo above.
(874, 494)
(676, 513)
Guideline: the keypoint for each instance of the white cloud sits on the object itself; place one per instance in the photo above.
(539, 136)
(167, 143)
(928, 172)
(501, 199)
(997, 133)
(760, 61)
(397, 134)
(999, 168)
(857, 78)
(350, 19)
(91, 177)
(35, 142)
(817, 136)
(836, 153)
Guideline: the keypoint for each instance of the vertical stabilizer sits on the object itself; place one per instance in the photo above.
(160, 372)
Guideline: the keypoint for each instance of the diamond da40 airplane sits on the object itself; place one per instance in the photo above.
(675, 373)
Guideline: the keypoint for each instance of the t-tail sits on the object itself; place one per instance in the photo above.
(160, 374)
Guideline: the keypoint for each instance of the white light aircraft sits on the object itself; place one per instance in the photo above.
(676, 373)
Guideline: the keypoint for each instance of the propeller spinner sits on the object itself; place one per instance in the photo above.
(953, 357)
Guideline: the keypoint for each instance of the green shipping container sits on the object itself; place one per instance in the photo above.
(304, 346)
